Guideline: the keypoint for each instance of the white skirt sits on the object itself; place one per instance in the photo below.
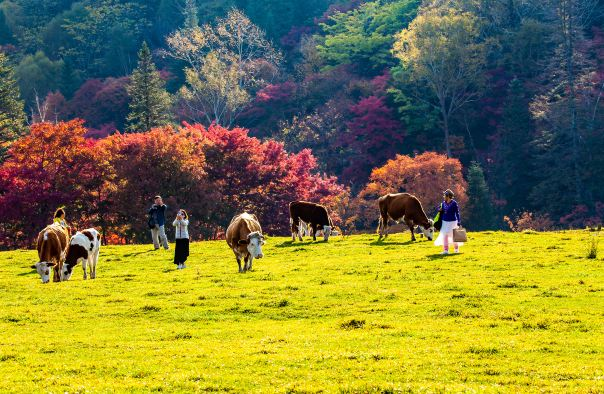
(446, 230)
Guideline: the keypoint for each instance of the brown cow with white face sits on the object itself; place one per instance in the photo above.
(407, 208)
(51, 245)
(84, 246)
(244, 237)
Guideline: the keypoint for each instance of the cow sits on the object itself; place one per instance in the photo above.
(51, 245)
(315, 215)
(244, 237)
(84, 246)
(407, 208)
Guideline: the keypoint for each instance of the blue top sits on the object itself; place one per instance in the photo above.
(450, 211)
(159, 213)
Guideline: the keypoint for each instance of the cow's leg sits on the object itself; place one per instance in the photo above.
(92, 265)
(239, 264)
(245, 260)
(294, 223)
(249, 264)
(314, 228)
(412, 228)
(96, 260)
(385, 226)
(56, 273)
(84, 268)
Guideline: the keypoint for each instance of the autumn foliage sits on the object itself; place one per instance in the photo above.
(426, 176)
(109, 183)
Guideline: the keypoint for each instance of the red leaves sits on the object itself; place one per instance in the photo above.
(213, 173)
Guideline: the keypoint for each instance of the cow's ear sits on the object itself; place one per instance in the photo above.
(35, 266)
(243, 242)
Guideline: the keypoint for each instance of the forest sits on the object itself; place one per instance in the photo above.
(238, 104)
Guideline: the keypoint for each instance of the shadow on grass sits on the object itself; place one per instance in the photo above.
(386, 242)
(290, 244)
(438, 256)
(33, 271)
(139, 253)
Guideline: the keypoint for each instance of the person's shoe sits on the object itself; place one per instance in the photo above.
(456, 250)
(444, 252)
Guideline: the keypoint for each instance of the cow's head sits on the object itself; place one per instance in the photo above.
(326, 232)
(254, 244)
(429, 230)
(75, 254)
(43, 268)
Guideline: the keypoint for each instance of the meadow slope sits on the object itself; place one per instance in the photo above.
(513, 312)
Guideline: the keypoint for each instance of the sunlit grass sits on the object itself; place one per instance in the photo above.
(512, 312)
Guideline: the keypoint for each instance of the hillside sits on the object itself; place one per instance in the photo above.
(514, 312)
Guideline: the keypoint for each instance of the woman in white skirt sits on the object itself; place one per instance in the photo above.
(449, 212)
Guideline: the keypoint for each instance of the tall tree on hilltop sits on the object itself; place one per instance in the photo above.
(149, 100)
(226, 64)
(479, 209)
(442, 50)
(12, 116)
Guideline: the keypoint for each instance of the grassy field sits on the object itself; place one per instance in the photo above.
(513, 312)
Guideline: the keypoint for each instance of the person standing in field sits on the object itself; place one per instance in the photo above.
(449, 210)
(157, 221)
(181, 251)
(59, 217)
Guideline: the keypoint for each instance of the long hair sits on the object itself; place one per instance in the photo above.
(60, 212)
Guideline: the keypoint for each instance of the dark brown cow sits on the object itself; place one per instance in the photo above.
(315, 215)
(244, 236)
(406, 208)
(51, 245)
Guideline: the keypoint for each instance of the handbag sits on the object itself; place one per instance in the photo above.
(151, 222)
(460, 235)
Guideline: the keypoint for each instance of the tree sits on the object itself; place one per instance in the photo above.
(373, 136)
(226, 64)
(426, 176)
(511, 164)
(364, 36)
(442, 49)
(149, 101)
(480, 214)
(50, 167)
(37, 76)
(12, 117)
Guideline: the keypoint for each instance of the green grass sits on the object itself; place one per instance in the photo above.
(513, 312)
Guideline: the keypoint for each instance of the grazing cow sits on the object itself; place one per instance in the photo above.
(315, 215)
(407, 208)
(51, 245)
(84, 246)
(244, 236)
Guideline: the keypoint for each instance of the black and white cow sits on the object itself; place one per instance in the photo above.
(84, 246)
(315, 215)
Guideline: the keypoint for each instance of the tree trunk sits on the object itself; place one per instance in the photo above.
(446, 130)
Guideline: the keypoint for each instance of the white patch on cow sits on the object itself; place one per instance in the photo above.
(254, 247)
(326, 232)
(428, 232)
(44, 271)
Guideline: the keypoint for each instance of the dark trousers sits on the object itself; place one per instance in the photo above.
(181, 251)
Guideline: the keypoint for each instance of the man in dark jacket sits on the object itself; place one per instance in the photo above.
(157, 216)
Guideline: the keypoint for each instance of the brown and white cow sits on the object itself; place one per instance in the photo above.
(51, 245)
(315, 215)
(407, 208)
(244, 236)
(84, 246)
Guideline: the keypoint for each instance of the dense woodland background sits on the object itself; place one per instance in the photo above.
(500, 100)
